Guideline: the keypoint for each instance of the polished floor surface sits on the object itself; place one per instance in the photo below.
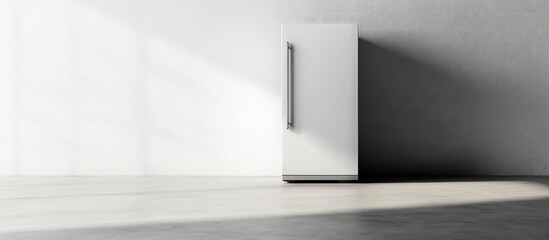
(265, 208)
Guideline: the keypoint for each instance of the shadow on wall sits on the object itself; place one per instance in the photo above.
(428, 114)
(525, 219)
(415, 120)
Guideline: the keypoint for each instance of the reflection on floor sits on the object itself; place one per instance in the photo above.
(265, 208)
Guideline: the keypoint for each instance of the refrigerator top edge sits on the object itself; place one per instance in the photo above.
(323, 24)
(319, 24)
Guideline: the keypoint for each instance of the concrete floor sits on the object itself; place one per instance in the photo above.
(265, 208)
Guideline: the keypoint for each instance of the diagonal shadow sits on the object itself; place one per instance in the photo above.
(432, 116)
(414, 119)
(525, 219)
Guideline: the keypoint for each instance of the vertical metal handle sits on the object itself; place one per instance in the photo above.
(288, 85)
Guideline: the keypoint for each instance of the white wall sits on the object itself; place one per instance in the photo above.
(139, 87)
(91, 87)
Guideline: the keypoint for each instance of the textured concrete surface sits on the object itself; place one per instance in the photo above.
(264, 208)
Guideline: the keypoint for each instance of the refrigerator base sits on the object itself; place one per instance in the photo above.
(296, 178)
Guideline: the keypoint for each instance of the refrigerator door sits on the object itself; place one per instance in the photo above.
(320, 102)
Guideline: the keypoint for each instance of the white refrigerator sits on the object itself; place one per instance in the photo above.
(319, 102)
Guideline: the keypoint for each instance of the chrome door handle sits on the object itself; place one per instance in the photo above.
(288, 85)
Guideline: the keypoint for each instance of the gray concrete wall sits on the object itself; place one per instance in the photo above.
(454, 88)
(193, 87)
